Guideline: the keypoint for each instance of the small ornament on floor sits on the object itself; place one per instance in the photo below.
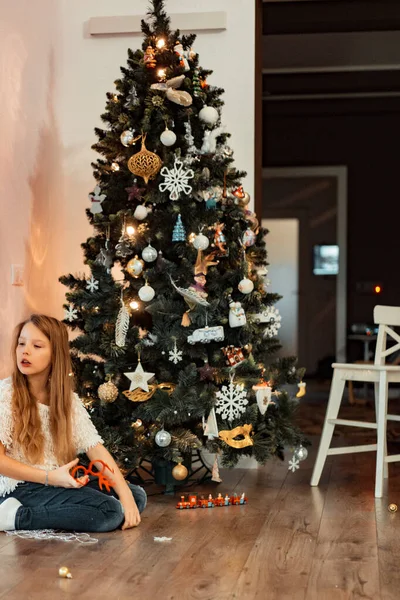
(64, 572)
(392, 508)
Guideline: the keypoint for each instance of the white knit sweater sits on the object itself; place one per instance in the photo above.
(84, 433)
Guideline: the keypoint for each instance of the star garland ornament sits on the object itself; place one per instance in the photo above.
(70, 313)
(231, 400)
(139, 378)
(176, 180)
(92, 284)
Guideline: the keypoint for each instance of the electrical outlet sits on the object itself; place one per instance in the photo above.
(17, 275)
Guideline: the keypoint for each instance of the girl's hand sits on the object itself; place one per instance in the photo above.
(131, 513)
(61, 477)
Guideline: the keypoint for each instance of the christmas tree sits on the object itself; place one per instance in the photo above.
(176, 350)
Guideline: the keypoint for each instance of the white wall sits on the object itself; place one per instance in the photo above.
(30, 155)
(283, 272)
(53, 81)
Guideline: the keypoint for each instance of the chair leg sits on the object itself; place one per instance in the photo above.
(335, 398)
(381, 434)
(385, 465)
(351, 393)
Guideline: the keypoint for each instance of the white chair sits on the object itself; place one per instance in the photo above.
(379, 374)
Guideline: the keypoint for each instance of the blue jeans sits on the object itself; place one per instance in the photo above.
(74, 509)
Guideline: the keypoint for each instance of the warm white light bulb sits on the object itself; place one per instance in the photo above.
(130, 230)
(160, 43)
(161, 73)
(115, 166)
(134, 305)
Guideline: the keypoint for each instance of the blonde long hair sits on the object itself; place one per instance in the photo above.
(27, 429)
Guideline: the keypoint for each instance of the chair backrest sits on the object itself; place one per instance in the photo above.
(385, 316)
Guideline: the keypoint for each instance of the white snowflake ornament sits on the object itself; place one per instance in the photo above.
(294, 464)
(273, 318)
(175, 355)
(70, 313)
(176, 180)
(92, 284)
(96, 197)
(231, 401)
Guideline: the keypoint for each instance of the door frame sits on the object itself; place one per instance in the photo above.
(340, 173)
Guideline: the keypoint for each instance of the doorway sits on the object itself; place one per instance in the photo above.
(316, 199)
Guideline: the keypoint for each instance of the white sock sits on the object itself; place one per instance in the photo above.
(8, 512)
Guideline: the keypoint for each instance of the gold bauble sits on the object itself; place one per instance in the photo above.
(180, 472)
(64, 572)
(135, 267)
(107, 392)
(392, 508)
(145, 164)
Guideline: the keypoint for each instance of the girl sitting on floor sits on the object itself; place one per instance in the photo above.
(43, 426)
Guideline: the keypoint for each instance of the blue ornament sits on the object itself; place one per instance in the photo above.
(179, 233)
(211, 204)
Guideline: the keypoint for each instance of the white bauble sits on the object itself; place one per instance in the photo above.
(249, 238)
(163, 438)
(146, 293)
(246, 286)
(201, 242)
(149, 253)
(168, 137)
(141, 212)
(209, 115)
(126, 137)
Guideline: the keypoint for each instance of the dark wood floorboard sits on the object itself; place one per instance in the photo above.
(291, 542)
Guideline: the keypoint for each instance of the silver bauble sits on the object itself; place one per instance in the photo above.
(201, 242)
(300, 453)
(141, 212)
(209, 115)
(168, 137)
(149, 253)
(163, 438)
(246, 286)
(146, 293)
(126, 137)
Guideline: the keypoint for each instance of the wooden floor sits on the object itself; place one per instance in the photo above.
(290, 542)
